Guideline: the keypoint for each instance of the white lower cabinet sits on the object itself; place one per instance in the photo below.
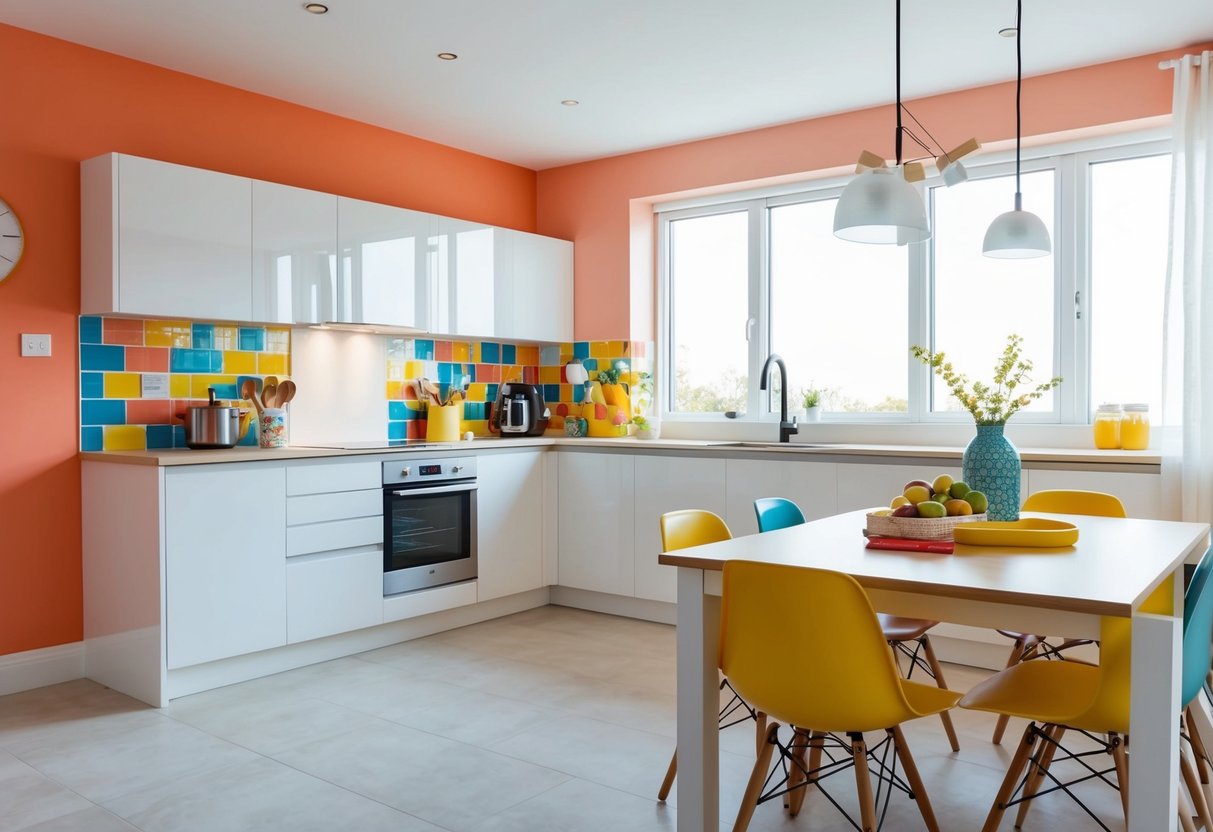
(665, 484)
(334, 592)
(1140, 493)
(509, 524)
(873, 486)
(225, 561)
(812, 485)
(596, 518)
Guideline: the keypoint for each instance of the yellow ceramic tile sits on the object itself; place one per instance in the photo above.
(200, 383)
(511, 372)
(600, 349)
(240, 363)
(122, 386)
(477, 392)
(167, 334)
(566, 393)
(395, 370)
(395, 390)
(549, 375)
(269, 363)
(528, 355)
(479, 427)
(618, 348)
(474, 353)
(461, 352)
(124, 438)
(414, 369)
(179, 386)
(277, 339)
(227, 338)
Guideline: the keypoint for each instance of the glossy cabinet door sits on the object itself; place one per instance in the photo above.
(166, 240)
(811, 485)
(294, 254)
(1140, 493)
(509, 523)
(384, 264)
(669, 484)
(462, 281)
(534, 287)
(225, 561)
(596, 518)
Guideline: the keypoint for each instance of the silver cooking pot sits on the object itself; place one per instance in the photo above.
(212, 425)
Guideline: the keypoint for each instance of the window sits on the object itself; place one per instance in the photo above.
(765, 274)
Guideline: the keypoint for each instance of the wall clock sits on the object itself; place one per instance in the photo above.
(12, 240)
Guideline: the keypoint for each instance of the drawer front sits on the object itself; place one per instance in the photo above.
(329, 595)
(324, 477)
(344, 505)
(336, 534)
(426, 601)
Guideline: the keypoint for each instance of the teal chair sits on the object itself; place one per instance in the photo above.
(780, 513)
(1198, 634)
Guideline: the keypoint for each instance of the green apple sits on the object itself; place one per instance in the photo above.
(980, 502)
(930, 508)
(959, 490)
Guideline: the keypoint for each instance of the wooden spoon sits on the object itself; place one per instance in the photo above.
(248, 391)
(286, 392)
(269, 394)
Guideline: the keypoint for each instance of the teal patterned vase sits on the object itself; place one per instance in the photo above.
(991, 466)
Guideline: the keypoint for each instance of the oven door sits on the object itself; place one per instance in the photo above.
(429, 535)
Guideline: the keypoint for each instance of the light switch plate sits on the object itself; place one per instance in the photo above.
(35, 346)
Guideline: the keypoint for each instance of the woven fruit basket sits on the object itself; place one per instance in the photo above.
(917, 528)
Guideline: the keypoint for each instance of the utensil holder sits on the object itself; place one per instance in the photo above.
(271, 428)
(443, 422)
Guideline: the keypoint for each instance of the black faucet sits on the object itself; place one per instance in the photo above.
(786, 428)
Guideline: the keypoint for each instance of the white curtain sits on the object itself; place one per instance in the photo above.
(1188, 327)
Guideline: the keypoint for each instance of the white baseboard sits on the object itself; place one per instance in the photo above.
(584, 599)
(38, 668)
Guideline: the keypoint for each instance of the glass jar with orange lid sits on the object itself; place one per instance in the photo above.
(1135, 427)
(1106, 427)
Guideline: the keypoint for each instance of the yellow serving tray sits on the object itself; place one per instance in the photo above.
(1034, 532)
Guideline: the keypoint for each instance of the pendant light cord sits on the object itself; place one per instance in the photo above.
(1018, 93)
(897, 138)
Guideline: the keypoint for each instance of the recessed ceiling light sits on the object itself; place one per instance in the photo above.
(315, 8)
(447, 56)
(1008, 32)
(570, 102)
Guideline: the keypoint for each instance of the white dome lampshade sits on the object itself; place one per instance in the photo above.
(1017, 234)
(880, 206)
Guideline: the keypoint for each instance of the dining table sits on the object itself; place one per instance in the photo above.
(1130, 568)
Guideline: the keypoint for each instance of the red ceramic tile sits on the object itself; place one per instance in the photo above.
(488, 373)
(177, 407)
(443, 350)
(148, 412)
(147, 360)
(530, 375)
(415, 429)
(122, 331)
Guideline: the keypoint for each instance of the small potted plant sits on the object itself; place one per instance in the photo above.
(811, 399)
(646, 428)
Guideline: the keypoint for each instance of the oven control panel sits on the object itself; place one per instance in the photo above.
(416, 471)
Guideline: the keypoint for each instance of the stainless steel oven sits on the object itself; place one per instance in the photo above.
(429, 523)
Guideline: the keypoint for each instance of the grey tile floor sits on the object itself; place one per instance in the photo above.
(549, 720)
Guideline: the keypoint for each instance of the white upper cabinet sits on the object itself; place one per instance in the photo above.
(294, 254)
(533, 287)
(164, 239)
(464, 277)
(384, 264)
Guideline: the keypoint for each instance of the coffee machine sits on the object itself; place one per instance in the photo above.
(520, 410)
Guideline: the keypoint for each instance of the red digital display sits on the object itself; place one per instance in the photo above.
(430, 470)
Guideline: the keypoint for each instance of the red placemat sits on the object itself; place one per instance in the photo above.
(942, 547)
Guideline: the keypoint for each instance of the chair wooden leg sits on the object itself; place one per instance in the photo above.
(1017, 652)
(1198, 746)
(1185, 813)
(863, 783)
(816, 744)
(760, 731)
(799, 747)
(1122, 770)
(1018, 763)
(670, 774)
(937, 672)
(914, 780)
(1038, 767)
(1198, 796)
(758, 776)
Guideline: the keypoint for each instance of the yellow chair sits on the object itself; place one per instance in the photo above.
(1091, 503)
(681, 530)
(774, 655)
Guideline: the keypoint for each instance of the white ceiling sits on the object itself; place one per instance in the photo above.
(647, 72)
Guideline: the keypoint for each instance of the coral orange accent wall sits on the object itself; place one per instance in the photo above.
(66, 103)
(605, 205)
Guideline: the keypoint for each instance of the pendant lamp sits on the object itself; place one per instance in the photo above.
(1017, 233)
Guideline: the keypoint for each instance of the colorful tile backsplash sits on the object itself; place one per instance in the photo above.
(137, 375)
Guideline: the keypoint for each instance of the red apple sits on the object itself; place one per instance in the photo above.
(906, 511)
(913, 483)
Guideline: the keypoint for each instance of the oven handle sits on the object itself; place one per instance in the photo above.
(442, 489)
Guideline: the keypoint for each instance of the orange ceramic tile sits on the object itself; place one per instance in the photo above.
(488, 373)
(443, 350)
(277, 339)
(461, 352)
(600, 349)
(268, 363)
(226, 338)
(528, 354)
(179, 386)
(147, 359)
(148, 412)
(415, 429)
(530, 375)
(123, 386)
(567, 393)
(395, 390)
(551, 375)
(478, 392)
(128, 331)
(124, 438)
(200, 383)
(241, 363)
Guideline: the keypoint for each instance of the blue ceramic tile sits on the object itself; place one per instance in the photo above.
(92, 385)
(90, 330)
(226, 391)
(252, 338)
(509, 354)
(159, 436)
(92, 439)
(490, 393)
(590, 364)
(240, 380)
(103, 412)
(411, 415)
(203, 337)
(102, 357)
(551, 392)
(396, 430)
(581, 349)
(396, 410)
(490, 353)
(249, 438)
(473, 411)
(178, 436)
(195, 361)
(469, 370)
(549, 356)
(423, 350)
(446, 372)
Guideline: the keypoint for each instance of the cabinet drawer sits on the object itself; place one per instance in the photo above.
(336, 534)
(344, 505)
(426, 601)
(325, 477)
(326, 595)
